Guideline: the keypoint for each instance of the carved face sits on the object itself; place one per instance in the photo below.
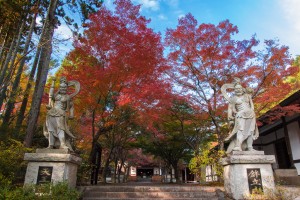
(238, 90)
(63, 89)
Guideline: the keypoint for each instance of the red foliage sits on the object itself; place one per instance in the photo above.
(288, 107)
(206, 56)
(119, 61)
(277, 112)
(136, 157)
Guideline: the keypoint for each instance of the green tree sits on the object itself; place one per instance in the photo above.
(176, 136)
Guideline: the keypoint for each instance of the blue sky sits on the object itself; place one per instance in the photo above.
(268, 19)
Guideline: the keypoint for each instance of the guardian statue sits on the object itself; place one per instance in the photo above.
(60, 109)
(241, 117)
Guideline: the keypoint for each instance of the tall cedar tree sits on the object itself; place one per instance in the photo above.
(206, 56)
(55, 10)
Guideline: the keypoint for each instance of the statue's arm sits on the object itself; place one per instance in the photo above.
(231, 113)
(251, 102)
(71, 109)
(77, 88)
(51, 94)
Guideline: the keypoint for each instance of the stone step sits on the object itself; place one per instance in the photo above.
(112, 192)
(159, 195)
(212, 198)
(108, 188)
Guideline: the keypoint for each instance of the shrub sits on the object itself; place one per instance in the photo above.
(280, 193)
(62, 191)
(9, 193)
(12, 164)
(59, 191)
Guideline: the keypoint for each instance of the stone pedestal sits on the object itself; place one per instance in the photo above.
(51, 165)
(245, 170)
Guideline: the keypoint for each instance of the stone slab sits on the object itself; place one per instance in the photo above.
(248, 159)
(60, 151)
(52, 157)
(235, 173)
(64, 167)
(286, 172)
(247, 153)
(61, 172)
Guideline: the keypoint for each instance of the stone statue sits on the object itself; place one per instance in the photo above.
(60, 109)
(241, 117)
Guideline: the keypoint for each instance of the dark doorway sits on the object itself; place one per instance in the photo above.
(188, 176)
(282, 155)
(145, 172)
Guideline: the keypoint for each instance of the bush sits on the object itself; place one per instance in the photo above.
(280, 193)
(12, 164)
(26, 193)
(59, 191)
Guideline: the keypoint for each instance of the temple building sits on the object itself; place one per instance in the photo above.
(281, 137)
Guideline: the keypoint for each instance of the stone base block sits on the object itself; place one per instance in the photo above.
(156, 178)
(246, 170)
(287, 176)
(132, 178)
(51, 165)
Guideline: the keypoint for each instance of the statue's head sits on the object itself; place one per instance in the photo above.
(238, 89)
(63, 85)
(236, 80)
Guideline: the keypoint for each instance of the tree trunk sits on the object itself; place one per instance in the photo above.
(120, 170)
(100, 131)
(176, 172)
(115, 169)
(126, 174)
(8, 71)
(21, 114)
(4, 43)
(7, 74)
(171, 177)
(94, 141)
(44, 61)
(96, 163)
(16, 83)
(104, 172)
(6, 62)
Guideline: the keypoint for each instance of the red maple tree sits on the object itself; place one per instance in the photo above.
(206, 56)
(119, 63)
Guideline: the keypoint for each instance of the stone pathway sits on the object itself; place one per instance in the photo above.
(152, 192)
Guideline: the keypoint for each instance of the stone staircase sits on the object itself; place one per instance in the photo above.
(151, 192)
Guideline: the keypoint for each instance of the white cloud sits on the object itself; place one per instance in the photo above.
(172, 3)
(179, 13)
(162, 17)
(109, 4)
(63, 32)
(149, 4)
(291, 33)
(38, 21)
(291, 10)
(181, 16)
